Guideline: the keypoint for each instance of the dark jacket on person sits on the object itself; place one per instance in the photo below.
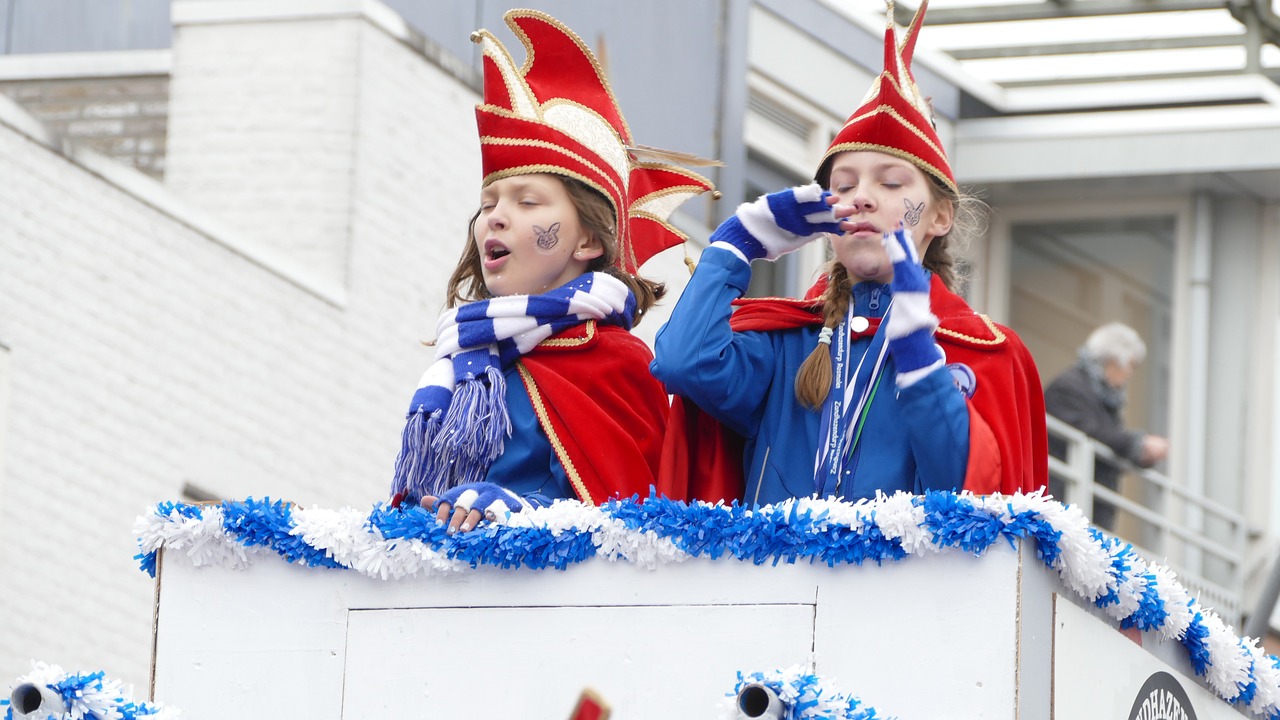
(1083, 400)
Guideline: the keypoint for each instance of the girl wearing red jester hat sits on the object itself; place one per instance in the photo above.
(882, 378)
(538, 390)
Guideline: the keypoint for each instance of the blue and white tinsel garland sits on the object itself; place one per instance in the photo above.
(804, 696)
(83, 696)
(389, 543)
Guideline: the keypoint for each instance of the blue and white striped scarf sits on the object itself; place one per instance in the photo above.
(458, 417)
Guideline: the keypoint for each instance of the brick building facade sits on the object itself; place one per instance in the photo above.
(253, 329)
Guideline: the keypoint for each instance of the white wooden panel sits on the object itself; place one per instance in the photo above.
(921, 638)
(263, 644)
(597, 582)
(1036, 590)
(1098, 672)
(941, 636)
(647, 662)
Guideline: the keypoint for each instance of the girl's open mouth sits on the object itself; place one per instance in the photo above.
(494, 252)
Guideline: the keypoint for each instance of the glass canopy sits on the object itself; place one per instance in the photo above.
(1064, 55)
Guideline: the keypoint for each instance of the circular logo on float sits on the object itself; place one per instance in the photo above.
(1162, 698)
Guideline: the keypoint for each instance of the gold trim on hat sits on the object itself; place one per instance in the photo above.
(665, 223)
(517, 89)
(524, 142)
(912, 95)
(599, 135)
(913, 159)
(525, 40)
(888, 110)
(577, 116)
(622, 173)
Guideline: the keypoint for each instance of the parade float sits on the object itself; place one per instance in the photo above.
(940, 605)
(936, 606)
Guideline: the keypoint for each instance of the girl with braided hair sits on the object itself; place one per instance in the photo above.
(882, 378)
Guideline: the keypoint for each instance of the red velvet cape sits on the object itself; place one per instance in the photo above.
(603, 412)
(1008, 442)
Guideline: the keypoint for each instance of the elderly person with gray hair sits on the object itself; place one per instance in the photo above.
(1091, 394)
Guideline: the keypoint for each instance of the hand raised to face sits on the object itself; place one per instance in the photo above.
(779, 223)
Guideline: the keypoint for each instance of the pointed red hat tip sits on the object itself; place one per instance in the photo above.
(895, 118)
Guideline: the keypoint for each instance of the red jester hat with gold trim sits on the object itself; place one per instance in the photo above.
(556, 114)
(894, 118)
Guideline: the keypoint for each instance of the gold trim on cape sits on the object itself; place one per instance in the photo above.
(540, 409)
(995, 330)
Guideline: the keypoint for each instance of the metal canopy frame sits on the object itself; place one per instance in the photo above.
(1033, 56)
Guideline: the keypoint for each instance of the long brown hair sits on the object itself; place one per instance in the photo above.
(597, 216)
(942, 258)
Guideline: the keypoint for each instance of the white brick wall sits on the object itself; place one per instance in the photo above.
(4, 417)
(261, 129)
(148, 349)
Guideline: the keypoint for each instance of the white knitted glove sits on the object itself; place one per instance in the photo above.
(778, 223)
(911, 322)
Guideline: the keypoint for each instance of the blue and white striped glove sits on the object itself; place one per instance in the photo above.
(911, 322)
(778, 223)
(494, 502)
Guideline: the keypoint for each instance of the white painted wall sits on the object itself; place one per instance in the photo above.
(159, 337)
(4, 416)
(263, 124)
(1240, 363)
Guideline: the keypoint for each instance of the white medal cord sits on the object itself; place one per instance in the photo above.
(830, 452)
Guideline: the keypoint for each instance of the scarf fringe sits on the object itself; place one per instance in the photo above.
(416, 465)
(458, 421)
(474, 430)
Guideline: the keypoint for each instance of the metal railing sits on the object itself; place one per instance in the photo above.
(1203, 542)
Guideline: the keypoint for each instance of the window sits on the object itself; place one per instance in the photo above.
(1068, 277)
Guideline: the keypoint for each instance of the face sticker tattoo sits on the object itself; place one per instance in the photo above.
(548, 238)
(912, 216)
